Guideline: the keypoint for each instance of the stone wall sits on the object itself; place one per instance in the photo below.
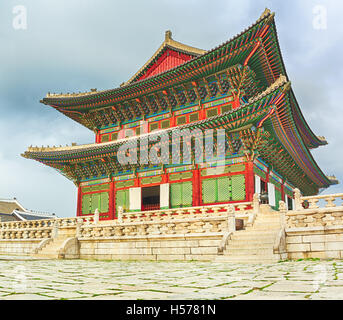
(315, 242)
(18, 247)
(314, 229)
(159, 248)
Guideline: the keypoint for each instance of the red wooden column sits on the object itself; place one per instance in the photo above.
(283, 190)
(165, 177)
(249, 180)
(112, 201)
(97, 137)
(79, 202)
(196, 187)
(235, 103)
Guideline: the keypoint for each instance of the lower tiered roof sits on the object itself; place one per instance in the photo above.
(265, 126)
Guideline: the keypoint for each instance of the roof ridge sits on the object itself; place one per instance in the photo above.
(282, 80)
(34, 213)
(168, 41)
(265, 14)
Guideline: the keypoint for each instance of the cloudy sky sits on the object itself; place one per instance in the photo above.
(75, 45)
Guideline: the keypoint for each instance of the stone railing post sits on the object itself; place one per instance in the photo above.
(54, 232)
(120, 214)
(297, 199)
(256, 203)
(283, 211)
(231, 219)
(96, 216)
(79, 224)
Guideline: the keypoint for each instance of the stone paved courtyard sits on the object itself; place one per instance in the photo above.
(24, 278)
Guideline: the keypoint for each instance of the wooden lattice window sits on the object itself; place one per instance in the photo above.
(226, 108)
(193, 117)
(153, 126)
(165, 124)
(211, 112)
(105, 138)
(91, 202)
(223, 189)
(122, 199)
(181, 194)
(181, 120)
(114, 136)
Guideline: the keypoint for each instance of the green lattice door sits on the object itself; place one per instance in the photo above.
(223, 189)
(238, 187)
(104, 202)
(181, 194)
(91, 202)
(209, 190)
(278, 197)
(86, 204)
(122, 199)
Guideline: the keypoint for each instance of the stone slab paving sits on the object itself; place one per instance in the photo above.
(23, 278)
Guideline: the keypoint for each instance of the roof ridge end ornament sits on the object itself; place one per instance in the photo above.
(332, 179)
(265, 13)
(168, 36)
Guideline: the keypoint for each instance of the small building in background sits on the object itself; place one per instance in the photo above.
(12, 210)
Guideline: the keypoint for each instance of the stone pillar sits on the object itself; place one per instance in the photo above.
(283, 211)
(297, 199)
(231, 220)
(120, 214)
(96, 216)
(256, 203)
(79, 224)
(54, 232)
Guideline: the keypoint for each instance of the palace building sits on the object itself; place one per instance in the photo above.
(237, 96)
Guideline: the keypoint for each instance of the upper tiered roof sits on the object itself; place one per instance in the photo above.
(253, 57)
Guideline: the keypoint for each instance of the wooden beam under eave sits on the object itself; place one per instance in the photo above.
(173, 91)
(157, 101)
(147, 102)
(122, 110)
(186, 93)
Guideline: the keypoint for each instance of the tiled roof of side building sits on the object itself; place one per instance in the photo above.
(8, 205)
(32, 215)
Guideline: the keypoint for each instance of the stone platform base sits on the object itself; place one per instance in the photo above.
(171, 248)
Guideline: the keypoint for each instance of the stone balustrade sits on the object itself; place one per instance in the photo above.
(204, 225)
(242, 209)
(205, 219)
(316, 211)
(329, 199)
(35, 229)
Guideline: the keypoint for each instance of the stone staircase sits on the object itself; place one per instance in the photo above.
(254, 244)
(55, 248)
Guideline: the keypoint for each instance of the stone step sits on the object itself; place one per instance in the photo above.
(52, 247)
(251, 245)
(253, 233)
(247, 251)
(248, 259)
(47, 256)
(253, 238)
(263, 222)
(263, 228)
